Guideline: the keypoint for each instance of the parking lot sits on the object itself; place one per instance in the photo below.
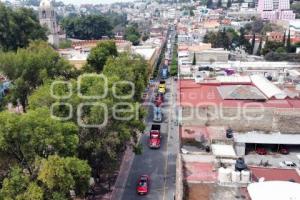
(273, 158)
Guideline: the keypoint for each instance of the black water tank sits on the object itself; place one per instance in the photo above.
(229, 133)
(240, 164)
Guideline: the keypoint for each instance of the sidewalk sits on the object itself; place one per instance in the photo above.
(119, 187)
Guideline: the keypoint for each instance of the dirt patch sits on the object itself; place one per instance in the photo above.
(208, 191)
(199, 191)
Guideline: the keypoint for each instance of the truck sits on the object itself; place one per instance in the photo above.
(155, 136)
(157, 114)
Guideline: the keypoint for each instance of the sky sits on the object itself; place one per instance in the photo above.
(93, 1)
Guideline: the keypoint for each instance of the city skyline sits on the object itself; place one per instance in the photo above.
(94, 1)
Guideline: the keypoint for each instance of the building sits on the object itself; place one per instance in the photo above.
(47, 17)
(275, 10)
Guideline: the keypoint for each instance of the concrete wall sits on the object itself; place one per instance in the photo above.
(246, 119)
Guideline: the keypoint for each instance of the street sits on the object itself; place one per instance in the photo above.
(159, 164)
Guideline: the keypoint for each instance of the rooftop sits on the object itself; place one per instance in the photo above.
(200, 172)
(277, 190)
(193, 94)
(274, 174)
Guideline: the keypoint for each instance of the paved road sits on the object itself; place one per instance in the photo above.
(160, 164)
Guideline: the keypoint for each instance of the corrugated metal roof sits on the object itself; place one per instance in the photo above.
(267, 87)
(267, 138)
(234, 79)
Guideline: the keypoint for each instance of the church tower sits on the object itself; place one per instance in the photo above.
(47, 17)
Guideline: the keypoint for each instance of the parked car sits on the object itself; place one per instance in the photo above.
(261, 151)
(284, 150)
(143, 185)
(287, 164)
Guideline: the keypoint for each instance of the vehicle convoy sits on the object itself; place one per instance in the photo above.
(159, 99)
(143, 185)
(162, 87)
(155, 136)
(157, 114)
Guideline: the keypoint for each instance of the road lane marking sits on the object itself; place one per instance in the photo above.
(169, 133)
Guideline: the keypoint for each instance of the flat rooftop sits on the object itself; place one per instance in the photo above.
(274, 174)
(197, 172)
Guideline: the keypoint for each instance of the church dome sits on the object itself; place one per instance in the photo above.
(46, 4)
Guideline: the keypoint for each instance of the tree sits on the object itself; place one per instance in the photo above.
(145, 37)
(60, 175)
(28, 68)
(209, 4)
(243, 42)
(99, 55)
(219, 4)
(194, 59)
(14, 184)
(225, 39)
(136, 71)
(271, 46)
(258, 53)
(284, 38)
(280, 50)
(18, 27)
(253, 44)
(229, 3)
(35, 133)
(288, 43)
(132, 34)
(102, 146)
(87, 27)
(19, 186)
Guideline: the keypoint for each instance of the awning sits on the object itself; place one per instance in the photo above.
(267, 138)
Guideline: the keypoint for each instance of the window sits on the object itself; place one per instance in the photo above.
(43, 14)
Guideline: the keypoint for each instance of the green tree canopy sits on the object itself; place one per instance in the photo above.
(87, 27)
(100, 145)
(271, 46)
(28, 68)
(132, 34)
(35, 134)
(60, 175)
(19, 186)
(132, 68)
(18, 27)
(99, 55)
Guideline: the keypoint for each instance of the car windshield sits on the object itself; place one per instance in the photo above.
(154, 136)
(143, 182)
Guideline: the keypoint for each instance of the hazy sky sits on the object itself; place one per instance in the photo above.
(93, 1)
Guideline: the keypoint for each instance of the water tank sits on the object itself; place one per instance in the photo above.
(240, 164)
(245, 176)
(221, 175)
(228, 175)
(236, 176)
(229, 133)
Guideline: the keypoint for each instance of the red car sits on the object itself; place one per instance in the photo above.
(284, 150)
(261, 151)
(143, 185)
